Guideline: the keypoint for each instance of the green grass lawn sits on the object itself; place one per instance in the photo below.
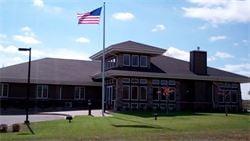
(140, 126)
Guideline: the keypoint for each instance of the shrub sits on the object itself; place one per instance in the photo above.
(3, 128)
(15, 128)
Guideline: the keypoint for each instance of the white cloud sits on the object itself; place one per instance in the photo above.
(223, 55)
(208, 3)
(243, 68)
(236, 44)
(211, 58)
(203, 27)
(82, 40)
(28, 38)
(219, 11)
(244, 41)
(159, 27)
(177, 53)
(49, 9)
(216, 38)
(3, 36)
(38, 3)
(123, 16)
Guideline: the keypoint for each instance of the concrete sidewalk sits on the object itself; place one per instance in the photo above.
(47, 116)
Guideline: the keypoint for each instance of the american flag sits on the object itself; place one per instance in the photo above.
(92, 17)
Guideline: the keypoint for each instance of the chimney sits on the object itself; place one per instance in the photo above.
(198, 62)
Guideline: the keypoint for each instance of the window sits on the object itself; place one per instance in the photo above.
(4, 90)
(134, 106)
(234, 96)
(171, 97)
(134, 92)
(155, 93)
(171, 82)
(143, 93)
(164, 82)
(126, 60)
(134, 81)
(135, 60)
(125, 92)
(155, 82)
(110, 63)
(125, 80)
(162, 97)
(42, 91)
(79, 93)
(143, 61)
(143, 81)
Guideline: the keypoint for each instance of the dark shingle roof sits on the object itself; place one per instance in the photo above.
(80, 72)
(130, 46)
(53, 71)
(179, 67)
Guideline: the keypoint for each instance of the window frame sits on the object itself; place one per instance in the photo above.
(146, 59)
(79, 93)
(132, 61)
(42, 90)
(128, 55)
(128, 92)
(132, 92)
(2, 90)
(146, 90)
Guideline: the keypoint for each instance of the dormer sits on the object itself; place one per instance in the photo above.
(128, 55)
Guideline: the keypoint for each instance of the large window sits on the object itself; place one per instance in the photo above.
(143, 61)
(155, 93)
(126, 59)
(134, 92)
(135, 60)
(4, 90)
(79, 93)
(42, 92)
(143, 93)
(125, 92)
(110, 63)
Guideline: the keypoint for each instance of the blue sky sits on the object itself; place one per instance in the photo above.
(221, 27)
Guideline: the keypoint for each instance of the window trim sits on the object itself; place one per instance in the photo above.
(146, 93)
(132, 93)
(138, 59)
(144, 66)
(42, 97)
(128, 59)
(2, 90)
(79, 87)
(60, 92)
(128, 92)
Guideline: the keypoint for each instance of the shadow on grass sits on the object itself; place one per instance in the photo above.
(136, 126)
(24, 134)
(163, 114)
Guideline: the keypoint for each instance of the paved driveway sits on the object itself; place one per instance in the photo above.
(46, 116)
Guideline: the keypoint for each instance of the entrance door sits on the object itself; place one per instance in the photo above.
(109, 95)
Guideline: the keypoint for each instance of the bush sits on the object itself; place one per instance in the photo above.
(3, 128)
(15, 128)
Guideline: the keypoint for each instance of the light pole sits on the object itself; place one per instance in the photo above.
(28, 86)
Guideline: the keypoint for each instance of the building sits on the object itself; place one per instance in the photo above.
(134, 73)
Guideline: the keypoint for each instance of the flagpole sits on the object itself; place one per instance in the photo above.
(103, 60)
